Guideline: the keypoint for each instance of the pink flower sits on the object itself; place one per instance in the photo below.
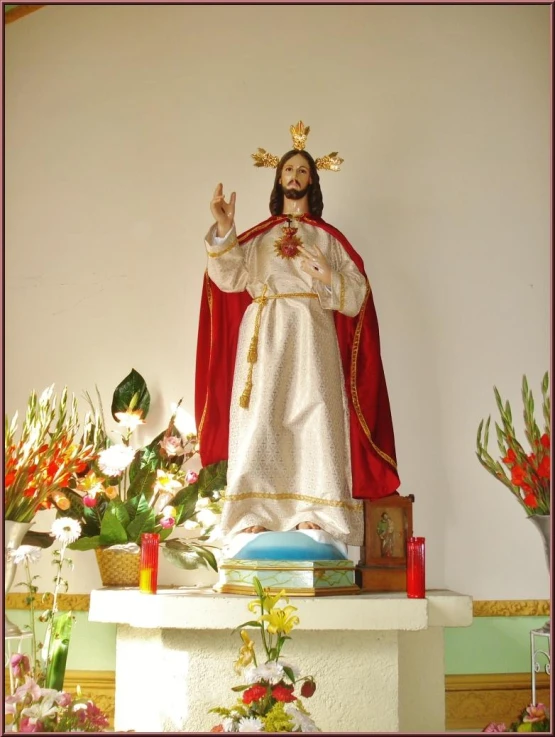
(20, 665)
(64, 699)
(90, 501)
(495, 727)
(191, 477)
(167, 522)
(30, 725)
(172, 446)
(535, 713)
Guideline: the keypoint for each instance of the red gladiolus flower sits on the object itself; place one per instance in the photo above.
(64, 480)
(255, 693)
(52, 468)
(307, 689)
(510, 457)
(9, 479)
(531, 458)
(544, 469)
(517, 475)
(544, 440)
(30, 491)
(282, 693)
(531, 501)
(81, 467)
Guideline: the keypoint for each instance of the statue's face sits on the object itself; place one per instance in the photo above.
(295, 177)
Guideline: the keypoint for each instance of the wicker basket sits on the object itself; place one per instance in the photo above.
(118, 567)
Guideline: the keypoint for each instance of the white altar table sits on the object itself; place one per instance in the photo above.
(378, 659)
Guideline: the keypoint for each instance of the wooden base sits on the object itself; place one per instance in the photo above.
(373, 579)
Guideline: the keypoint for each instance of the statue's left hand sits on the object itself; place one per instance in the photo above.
(314, 263)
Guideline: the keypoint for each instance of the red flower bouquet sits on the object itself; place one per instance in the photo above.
(526, 474)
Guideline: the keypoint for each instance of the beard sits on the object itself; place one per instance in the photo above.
(294, 194)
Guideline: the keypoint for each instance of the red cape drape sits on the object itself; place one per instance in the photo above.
(373, 459)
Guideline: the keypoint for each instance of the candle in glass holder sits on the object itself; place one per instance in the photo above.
(148, 578)
(416, 568)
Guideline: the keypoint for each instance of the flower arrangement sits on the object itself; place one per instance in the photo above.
(526, 475)
(533, 718)
(36, 709)
(124, 492)
(46, 457)
(268, 702)
(38, 703)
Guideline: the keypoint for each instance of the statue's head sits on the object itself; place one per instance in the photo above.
(297, 176)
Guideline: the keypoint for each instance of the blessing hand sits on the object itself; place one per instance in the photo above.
(223, 212)
(315, 264)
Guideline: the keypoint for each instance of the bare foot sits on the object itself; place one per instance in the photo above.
(255, 528)
(308, 526)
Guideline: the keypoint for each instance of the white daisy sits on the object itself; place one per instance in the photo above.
(301, 722)
(250, 724)
(66, 530)
(270, 672)
(229, 724)
(115, 459)
(26, 554)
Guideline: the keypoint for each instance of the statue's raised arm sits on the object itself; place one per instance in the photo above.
(223, 212)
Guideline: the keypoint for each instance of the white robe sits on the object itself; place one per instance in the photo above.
(289, 451)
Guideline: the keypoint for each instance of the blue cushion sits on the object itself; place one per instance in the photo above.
(287, 546)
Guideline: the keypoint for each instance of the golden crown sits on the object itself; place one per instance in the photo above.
(299, 134)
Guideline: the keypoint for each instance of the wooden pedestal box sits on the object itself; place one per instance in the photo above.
(383, 557)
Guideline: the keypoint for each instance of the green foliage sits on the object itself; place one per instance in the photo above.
(131, 395)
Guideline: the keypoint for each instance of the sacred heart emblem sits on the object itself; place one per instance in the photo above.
(288, 245)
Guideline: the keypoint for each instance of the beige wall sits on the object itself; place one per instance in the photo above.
(120, 121)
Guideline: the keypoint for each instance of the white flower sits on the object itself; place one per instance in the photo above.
(26, 554)
(130, 419)
(271, 672)
(291, 666)
(166, 481)
(229, 725)
(250, 724)
(207, 518)
(40, 710)
(301, 722)
(115, 459)
(66, 530)
(190, 524)
(184, 422)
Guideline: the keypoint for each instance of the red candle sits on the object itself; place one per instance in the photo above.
(416, 568)
(148, 580)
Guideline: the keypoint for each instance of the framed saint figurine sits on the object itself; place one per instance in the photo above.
(387, 526)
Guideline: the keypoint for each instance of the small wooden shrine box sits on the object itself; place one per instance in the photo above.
(383, 557)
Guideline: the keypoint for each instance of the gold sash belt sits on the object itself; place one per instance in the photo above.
(252, 355)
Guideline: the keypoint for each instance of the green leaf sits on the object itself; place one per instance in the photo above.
(131, 394)
(136, 505)
(112, 532)
(239, 688)
(144, 522)
(185, 502)
(143, 483)
(289, 673)
(212, 478)
(58, 650)
(86, 543)
(258, 588)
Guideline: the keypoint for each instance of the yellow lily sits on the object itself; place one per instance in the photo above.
(268, 602)
(280, 621)
(246, 653)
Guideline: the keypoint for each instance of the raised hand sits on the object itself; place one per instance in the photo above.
(314, 263)
(223, 212)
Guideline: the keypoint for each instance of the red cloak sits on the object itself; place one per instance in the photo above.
(373, 460)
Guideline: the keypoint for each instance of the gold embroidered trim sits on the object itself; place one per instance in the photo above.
(260, 228)
(353, 506)
(252, 355)
(209, 295)
(226, 250)
(356, 403)
(264, 299)
(341, 292)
